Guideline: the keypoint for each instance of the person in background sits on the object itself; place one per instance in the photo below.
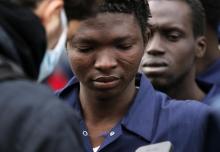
(176, 43)
(51, 73)
(208, 67)
(32, 118)
(119, 109)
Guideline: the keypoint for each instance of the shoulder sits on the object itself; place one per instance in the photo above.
(27, 96)
(33, 115)
(180, 110)
(183, 122)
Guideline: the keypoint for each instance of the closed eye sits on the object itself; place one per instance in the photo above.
(124, 46)
(84, 49)
(173, 37)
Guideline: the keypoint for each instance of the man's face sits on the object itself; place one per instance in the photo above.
(170, 54)
(105, 53)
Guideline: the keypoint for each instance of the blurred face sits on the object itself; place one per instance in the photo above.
(50, 14)
(170, 54)
(105, 53)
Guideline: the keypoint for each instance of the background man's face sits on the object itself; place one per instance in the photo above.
(105, 52)
(170, 53)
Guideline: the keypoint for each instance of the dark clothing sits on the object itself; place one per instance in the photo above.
(212, 74)
(25, 42)
(212, 92)
(152, 118)
(32, 119)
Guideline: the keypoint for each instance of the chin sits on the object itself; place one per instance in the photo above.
(160, 85)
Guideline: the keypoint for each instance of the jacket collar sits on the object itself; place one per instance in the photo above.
(141, 116)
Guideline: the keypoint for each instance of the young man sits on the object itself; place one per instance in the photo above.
(120, 111)
(32, 119)
(208, 67)
(177, 41)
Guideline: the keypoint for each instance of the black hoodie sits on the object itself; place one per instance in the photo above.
(24, 35)
(32, 119)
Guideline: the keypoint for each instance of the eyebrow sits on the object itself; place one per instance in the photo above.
(154, 27)
(83, 41)
(124, 38)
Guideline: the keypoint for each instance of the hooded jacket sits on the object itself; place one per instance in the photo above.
(31, 118)
(23, 41)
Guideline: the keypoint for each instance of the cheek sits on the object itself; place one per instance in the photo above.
(183, 52)
(184, 57)
(131, 60)
(79, 63)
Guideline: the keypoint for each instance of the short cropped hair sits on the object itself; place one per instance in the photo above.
(198, 17)
(79, 9)
(212, 10)
(139, 8)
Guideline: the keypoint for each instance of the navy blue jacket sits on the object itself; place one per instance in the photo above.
(152, 118)
(212, 74)
(212, 93)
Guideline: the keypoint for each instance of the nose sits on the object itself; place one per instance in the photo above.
(155, 45)
(105, 60)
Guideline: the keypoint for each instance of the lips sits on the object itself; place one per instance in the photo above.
(154, 64)
(154, 68)
(106, 82)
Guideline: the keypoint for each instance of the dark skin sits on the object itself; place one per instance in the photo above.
(170, 55)
(105, 54)
(212, 52)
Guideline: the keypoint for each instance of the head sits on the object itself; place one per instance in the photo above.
(212, 10)
(177, 41)
(106, 50)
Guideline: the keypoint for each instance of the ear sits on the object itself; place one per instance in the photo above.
(201, 46)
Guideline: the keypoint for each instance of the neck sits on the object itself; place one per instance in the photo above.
(101, 114)
(185, 89)
(184, 93)
(98, 109)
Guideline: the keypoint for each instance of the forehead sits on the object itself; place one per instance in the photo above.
(170, 12)
(108, 25)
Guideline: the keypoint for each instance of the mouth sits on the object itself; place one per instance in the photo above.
(152, 69)
(155, 64)
(106, 82)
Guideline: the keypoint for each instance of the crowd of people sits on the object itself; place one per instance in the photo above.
(109, 75)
